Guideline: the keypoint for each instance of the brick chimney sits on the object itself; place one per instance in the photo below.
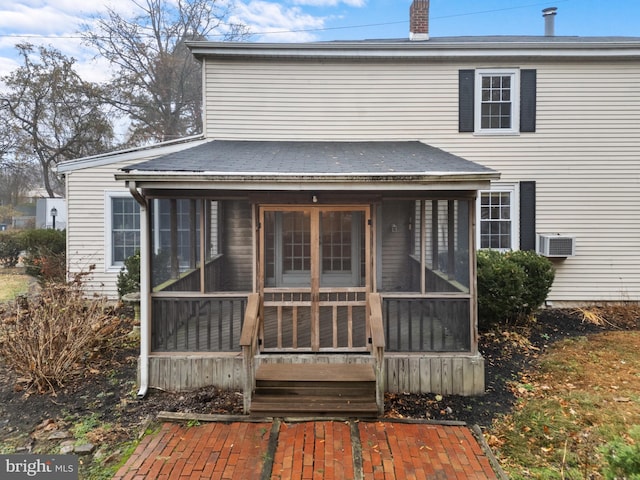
(419, 20)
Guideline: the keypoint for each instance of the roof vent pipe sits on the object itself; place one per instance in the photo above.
(549, 15)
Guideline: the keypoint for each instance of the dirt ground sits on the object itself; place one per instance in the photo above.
(106, 392)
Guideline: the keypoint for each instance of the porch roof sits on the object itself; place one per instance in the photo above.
(250, 165)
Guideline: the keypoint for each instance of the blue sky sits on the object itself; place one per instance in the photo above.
(56, 22)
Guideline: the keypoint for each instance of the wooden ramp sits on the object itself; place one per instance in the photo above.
(315, 390)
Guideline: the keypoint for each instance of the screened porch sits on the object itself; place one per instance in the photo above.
(414, 251)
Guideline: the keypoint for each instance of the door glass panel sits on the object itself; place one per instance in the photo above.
(342, 248)
(336, 242)
(287, 249)
(296, 242)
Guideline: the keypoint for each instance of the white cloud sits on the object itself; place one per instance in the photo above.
(273, 22)
(57, 23)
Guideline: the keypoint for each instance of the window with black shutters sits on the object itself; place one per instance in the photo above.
(497, 101)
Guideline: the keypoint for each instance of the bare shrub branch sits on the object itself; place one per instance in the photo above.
(47, 339)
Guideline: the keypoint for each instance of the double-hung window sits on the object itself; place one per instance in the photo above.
(123, 228)
(498, 215)
(497, 108)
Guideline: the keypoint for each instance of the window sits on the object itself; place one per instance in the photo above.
(122, 214)
(497, 108)
(497, 101)
(497, 213)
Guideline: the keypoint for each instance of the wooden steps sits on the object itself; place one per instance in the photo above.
(314, 390)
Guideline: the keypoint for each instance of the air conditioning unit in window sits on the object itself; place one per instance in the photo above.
(551, 245)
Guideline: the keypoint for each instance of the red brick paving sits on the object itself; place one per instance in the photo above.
(310, 450)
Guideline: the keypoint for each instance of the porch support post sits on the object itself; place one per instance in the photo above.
(473, 280)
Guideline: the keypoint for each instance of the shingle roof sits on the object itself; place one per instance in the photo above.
(311, 158)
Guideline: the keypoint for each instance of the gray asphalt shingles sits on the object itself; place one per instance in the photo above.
(288, 157)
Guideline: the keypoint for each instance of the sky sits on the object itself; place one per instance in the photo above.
(57, 22)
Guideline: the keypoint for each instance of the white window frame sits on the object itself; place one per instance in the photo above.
(513, 190)
(109, 265)
(514, 73)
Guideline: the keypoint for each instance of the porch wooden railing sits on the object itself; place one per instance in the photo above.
(249, 345)
(288, 324)
(189, 321)
(377, 345)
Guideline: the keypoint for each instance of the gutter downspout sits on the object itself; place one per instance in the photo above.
(145, 331)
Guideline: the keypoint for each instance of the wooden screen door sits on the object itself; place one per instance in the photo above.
(314, 276)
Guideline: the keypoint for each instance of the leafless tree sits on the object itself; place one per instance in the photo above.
(54, 114)
(157, 82)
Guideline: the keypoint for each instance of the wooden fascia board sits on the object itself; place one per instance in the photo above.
(311, 183)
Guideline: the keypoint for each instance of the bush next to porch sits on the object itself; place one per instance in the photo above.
(129, 276)
(49, 338)
(511, 285)
(46, 254)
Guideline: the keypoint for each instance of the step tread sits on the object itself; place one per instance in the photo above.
(294, 389)
(313, 407)
(315, 372)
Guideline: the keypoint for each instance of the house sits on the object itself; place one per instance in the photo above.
(331, 211)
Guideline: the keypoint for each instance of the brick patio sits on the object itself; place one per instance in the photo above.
(311, 450)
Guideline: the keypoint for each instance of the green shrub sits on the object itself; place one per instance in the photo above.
(129, 276)
(511, 285)
(45, 254)
(539, 276)
(623, 459)
(500, 288)
(11, 246)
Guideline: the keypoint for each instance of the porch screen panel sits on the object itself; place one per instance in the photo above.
(175, 242)
(399, 232)
(446, 245)
(187, 324)
(214, 259)
(427, 324)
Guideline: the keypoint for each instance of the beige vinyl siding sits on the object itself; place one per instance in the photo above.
(319, 101)
(584, 156)
(86, 189)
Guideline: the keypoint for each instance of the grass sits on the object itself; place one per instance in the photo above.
(12, 284)
(584, 395)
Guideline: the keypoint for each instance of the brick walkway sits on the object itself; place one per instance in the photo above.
(311, 450)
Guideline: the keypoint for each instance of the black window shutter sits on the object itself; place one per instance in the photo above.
(527, 215)
(527, 100)
(466, 79)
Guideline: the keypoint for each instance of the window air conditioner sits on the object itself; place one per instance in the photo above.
(550, 245)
